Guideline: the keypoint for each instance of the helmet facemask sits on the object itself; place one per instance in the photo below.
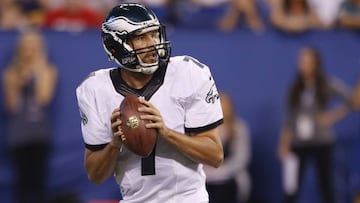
(160, 49)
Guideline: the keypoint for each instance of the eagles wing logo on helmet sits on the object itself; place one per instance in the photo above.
(127, 20)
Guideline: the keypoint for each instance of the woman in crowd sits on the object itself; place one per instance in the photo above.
(306, 133)
(29, 84)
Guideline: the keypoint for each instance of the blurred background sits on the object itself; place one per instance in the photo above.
(251, 47)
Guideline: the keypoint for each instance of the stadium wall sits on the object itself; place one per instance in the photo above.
(254, 68)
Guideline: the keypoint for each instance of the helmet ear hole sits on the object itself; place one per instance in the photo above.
(161, 53)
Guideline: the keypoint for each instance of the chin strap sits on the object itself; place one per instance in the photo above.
(145, 70)
(149, 70)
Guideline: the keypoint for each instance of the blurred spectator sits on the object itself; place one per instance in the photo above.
(236, 9)
(307, 133)
(28, 84)
(349, 16)
(34, 10)
(326, 10)
(73, 16)
(357, 198)
(22, 13)
(228, 13)
(231, 181)
(163, 8)
(11, 16)
(356, 169)
(224, 15)
(293, 16)
(356, 96)
(102, 7)
(196, 13)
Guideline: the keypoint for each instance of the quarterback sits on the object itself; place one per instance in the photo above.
(181, 100)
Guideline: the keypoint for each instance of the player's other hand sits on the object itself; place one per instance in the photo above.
(152, 114)
(116, 128)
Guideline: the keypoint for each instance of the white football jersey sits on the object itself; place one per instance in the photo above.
(185, 93)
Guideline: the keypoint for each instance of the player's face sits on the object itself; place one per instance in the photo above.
(148, 39)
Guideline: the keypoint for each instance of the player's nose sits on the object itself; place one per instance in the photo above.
(150, 41)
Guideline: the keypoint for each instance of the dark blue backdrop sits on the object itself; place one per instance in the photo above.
(254, 69)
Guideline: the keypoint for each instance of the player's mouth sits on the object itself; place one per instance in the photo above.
(151, 57)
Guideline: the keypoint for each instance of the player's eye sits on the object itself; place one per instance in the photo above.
(139, 37)
(155, 34)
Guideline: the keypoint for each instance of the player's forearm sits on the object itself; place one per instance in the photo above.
(100, 165)
(200, 148)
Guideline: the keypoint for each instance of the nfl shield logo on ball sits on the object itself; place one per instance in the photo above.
(132, 122)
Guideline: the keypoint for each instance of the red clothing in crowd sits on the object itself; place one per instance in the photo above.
(65, 20)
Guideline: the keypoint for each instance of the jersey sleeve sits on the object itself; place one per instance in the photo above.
(203, 110)
(94, 129)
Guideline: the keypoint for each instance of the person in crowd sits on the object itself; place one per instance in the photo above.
(231, 181)
(162, 8)
(356, 169)
(245, 8)
(293, 16)
(356, 97)
(349, 17)
(327, 11)
(306, 133)
(73, 16)
(12, 16)
(225, 15)
(29, 84)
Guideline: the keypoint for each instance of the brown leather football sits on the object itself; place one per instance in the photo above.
(136, 137)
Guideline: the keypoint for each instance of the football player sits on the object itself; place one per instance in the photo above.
(181, 100)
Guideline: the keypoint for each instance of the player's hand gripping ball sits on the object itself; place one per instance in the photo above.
(136, 137)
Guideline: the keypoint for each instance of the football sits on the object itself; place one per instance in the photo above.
(136, 137)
